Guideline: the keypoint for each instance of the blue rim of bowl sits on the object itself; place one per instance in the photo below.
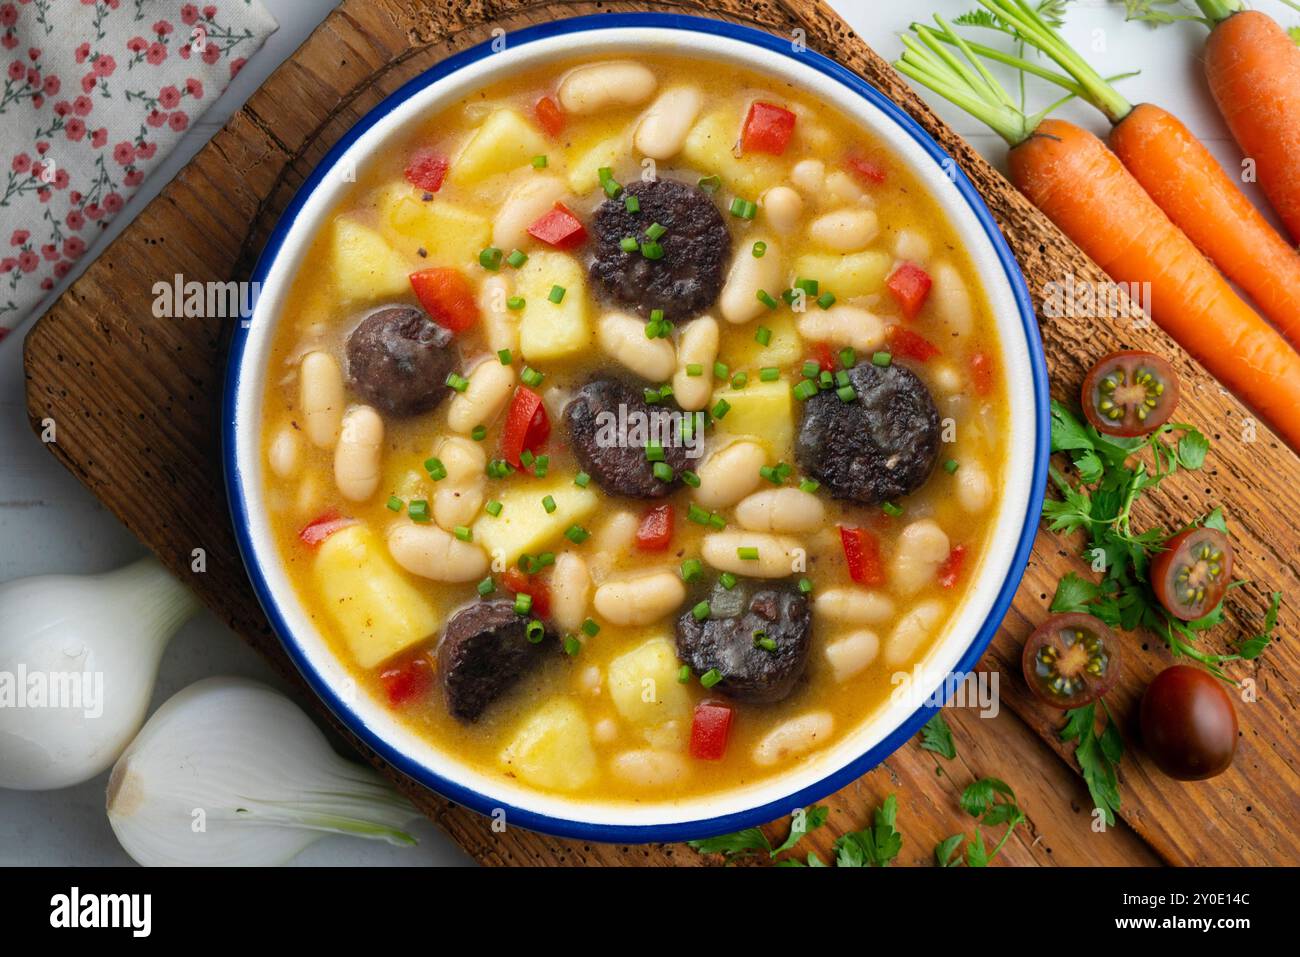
(721, 824)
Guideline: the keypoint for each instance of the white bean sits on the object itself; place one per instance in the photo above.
(794, 737)
(601, 86)
(431, 552)
(843, 326)
(698, 347)
(604, 731)
(844, 230)
(912, 629)
(974, 490)
(320, 396)
(783, 207)
(356, 457)
(664, 126)
(729, 474)
(490, 385)
(777, 554)
(922, 547)
(458, 497)
(570, 585)
(650, 769)
(853, 606)
(781, 510)
(623, 339)
(285, 452)
(748, 276)
(912, 246)
(523, 206)
(945, 376)
(617, 533)
(853, 653)
(840, 187)
(640, 601)
(500, 325)
(952, 301)
(809, 175)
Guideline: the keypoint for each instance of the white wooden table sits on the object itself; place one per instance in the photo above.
(49, 523)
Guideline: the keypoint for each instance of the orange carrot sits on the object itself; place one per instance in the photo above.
(1082, 187)
(1254, 72)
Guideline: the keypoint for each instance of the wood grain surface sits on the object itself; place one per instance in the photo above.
(134, 400)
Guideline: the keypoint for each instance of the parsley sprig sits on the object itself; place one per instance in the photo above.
(752, 842)
(873, 846)
(992, 803)
(1098, 755)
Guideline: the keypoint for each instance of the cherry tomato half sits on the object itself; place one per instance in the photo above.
(1070, 660)
(1189, 726)
(1130, 393)
(1192, 573)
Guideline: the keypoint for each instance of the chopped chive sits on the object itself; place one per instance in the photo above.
(758, 249)
(805, 390)
(418, 510)
(590, 628)
(493, 508)
(531, 377)
(490, 258)
(548, 503)
(881, 359)
(651, 396)
(727, 580)
(805, 586)
(517, 258)
(654, 451)
(556, 294)
(479, 433)
(826, 299)
(848, 357)
(394, 503)
(663, 472)
(809, 485)
(810, 369)
(697, 515)
(766, 299)
(684, 674)
(577, 534)
(628, 244)
(656, 315)
(890, 509)
(526, 458)
(763, 641)
(769, 374)
(539, 161)
(825, 380)
(656, 230)
(463, 532)
(747, 553)
(694, 369)
(846, 393)
(790, 295)
(523, 603)
(486, 586)
(710, 184)
(545, 559)
(612, 188)
(710, 677)
(540, 465)
(701, 611)
(743, 208)
(692, 570)
(582, 479)
(437, 471)
(534, 631)
(572, 645)
(740, 380)
(631, 204)
(717, 522)
(842, 378)
(515, 303)
(951, 466)
(652, 250)
(721, 409)
(720, 370)
(457, 381)
(690, 478)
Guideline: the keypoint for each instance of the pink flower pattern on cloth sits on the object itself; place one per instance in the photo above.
(95, 93)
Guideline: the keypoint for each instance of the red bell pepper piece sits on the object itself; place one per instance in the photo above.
(446, 296)
(982, 373)
(407, 680)
(656, 529)
(950, 570)
(823, 356)
(427, 169)
(559, 228)
(908, 345)
(869, 172)
(767, 129)
(910, 285)
(862, 554)
(709, 730)
(323, 526)
(527, 425)
(519, 583)
(549, 116)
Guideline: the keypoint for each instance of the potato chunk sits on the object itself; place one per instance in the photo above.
(365, 267)
(552, 747)
(524, 525)
(504, 142)
(764, 410)
(451, 235)
(644, 688)
(857, 274)
(550, 330)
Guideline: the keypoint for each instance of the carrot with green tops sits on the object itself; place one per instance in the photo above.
(1083, 188)
(1176, 170)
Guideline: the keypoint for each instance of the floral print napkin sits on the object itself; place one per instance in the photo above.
(95, 93)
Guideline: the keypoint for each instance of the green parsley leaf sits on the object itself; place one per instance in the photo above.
(1098, 756)
(936, 736)
(874, 846)
(1254, 646)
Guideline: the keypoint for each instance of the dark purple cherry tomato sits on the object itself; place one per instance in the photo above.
(1189, 727)
(1192, 573)
(1130, 393)
(1071, 660)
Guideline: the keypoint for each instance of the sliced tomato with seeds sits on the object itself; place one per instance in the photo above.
(516, 581)
(550, 117)
(323, 526)
(560, 228)
(655, 532)
(907, 344)
(910, 286)
(767, 129)
(1192, 574)
(1070, 660)
(446, 296)
(862, 555)
(1130, 393)
(710, 728)
(427, 169)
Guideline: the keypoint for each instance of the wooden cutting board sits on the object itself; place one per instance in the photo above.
(135, 404)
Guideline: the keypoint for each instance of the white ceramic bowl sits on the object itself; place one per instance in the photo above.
(969, 629)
